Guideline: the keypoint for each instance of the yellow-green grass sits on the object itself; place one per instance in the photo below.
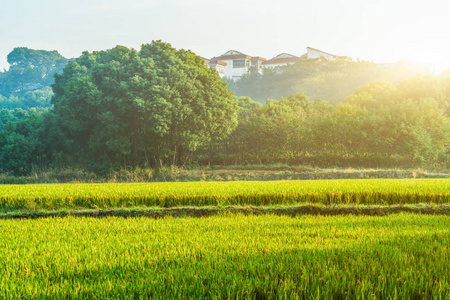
(256, 193)
(401, 256)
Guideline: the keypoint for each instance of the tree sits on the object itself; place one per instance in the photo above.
(381, 121)
(29, 99)
(12, 115)
(278, 131)
(421, 87)
(27, 82)
(380, 125)
(239, 146)
(20, 145)
(124, 107)
(30, 70)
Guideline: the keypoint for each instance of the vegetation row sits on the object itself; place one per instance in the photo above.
(173, 194)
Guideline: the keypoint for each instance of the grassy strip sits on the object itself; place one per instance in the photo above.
(401, 256)
(308, 209)
(213, 173)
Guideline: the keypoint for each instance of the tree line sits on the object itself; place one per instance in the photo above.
(158, 106)
(380, 125)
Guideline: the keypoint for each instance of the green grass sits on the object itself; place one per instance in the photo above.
(400, 256)
(175, 194)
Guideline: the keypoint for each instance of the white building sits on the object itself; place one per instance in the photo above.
(315, 53)
(233, 64)
(238, 63)
(218, 65)
(282, 59)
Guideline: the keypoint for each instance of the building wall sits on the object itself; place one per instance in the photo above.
(219, 68)
(257, 64)
(235, 73)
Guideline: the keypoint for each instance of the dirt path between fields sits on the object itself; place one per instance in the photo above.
(212, 211)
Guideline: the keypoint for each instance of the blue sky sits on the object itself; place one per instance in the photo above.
(380, 31)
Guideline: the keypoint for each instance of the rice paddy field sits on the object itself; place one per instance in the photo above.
(227, 255)
(403, 256)
(175, 194)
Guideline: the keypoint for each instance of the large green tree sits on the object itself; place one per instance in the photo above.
(124, 107)
(279, 131)
(30, 70)
(26, 84)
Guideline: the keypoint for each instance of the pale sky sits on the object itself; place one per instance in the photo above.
(374, 30)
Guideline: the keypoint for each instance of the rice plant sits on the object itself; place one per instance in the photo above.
(227, 257)
(173, 194)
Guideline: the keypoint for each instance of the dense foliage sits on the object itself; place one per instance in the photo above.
(328, 192)
(331, 81)
(30, 70)
(124, 107)
(27, 82)
(29, 99)
(30, 138)
(380, 125)
(230, 257)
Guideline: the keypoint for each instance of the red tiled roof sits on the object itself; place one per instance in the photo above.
(218, 62)
(259, 58)
(281, 60)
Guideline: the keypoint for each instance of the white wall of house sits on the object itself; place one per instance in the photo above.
(219, 68)
(257, 64)
(232, 70)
